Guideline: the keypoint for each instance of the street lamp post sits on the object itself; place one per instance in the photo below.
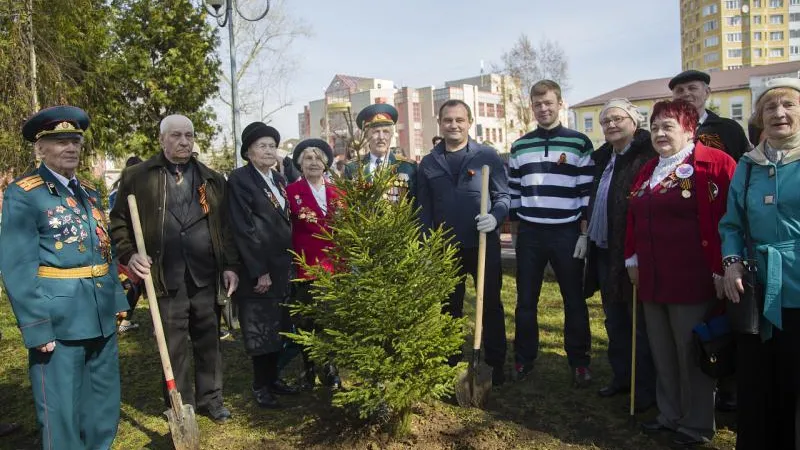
(227, 18)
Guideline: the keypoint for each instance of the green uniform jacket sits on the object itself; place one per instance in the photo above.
(45, 225)
(148, 182)
(406, 171)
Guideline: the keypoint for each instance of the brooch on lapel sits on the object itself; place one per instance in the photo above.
(471, 173)
(297, 199)
(562, 159)
(684, 172)
(713, 191)
(307, 214)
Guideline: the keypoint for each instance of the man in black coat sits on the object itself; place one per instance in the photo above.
(712, 130)
(448, 192)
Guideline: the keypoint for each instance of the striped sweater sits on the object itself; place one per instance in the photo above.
(550, 176)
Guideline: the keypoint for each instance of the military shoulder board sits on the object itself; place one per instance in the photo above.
(29, 183)
(88, 186)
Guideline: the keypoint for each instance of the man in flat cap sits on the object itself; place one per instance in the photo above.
(192, 256)
(58, 271)
(377, 123)
(713, 130)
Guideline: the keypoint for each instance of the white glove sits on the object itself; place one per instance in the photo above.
(486, 223)
(581, 246)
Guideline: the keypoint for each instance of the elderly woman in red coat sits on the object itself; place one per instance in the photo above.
(673, 256)
(312, 200)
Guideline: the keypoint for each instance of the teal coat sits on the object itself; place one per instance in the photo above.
(406, 170)
(43, 225)
(773, 202)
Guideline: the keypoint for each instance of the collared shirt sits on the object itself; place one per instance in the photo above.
(62, 179)
(269, 178)
(320, 197)
(702, 118)
(373, 162)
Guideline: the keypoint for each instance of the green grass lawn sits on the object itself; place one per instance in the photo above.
(541, 412)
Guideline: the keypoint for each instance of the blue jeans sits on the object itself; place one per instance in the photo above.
(538, 244)
(619, 325)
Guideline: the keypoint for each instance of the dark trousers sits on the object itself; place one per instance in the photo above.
(265, 369)
(190, 316)
(768, 375)
(132, 296)
(494, 325)
(619, 327)
(538, 244)
(77, 394)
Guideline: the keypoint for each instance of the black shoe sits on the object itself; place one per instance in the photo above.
(265, 399)
(612, 390)
(281, 388)
(8, 428)
(330, 376)
(498, 375)
(653, 425)
(688, 440)
(218, 414)
(522, 370)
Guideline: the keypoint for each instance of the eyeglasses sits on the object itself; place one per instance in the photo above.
(615, 120)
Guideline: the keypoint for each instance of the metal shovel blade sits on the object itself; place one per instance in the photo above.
(184, 430)
(474, 385)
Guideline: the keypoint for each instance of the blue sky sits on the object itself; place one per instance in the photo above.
(426, 42)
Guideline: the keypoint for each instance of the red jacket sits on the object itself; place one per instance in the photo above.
(308, 223)
(713, 170)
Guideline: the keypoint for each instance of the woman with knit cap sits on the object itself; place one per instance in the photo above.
(768, 366)
(672, 251)
(616, 163)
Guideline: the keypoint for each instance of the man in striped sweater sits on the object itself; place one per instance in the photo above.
(550, 175)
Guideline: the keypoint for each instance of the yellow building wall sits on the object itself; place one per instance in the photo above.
(720, 102)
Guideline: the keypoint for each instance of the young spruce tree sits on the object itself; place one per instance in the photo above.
(381, 311)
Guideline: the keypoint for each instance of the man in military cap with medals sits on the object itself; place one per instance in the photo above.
(377, 123)
(712, 130)
(55, 260)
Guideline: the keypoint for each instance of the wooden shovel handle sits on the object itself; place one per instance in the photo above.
(476, 343)
(152, 300)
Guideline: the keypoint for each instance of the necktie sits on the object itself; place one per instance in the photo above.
(378, 163)
(76, 189)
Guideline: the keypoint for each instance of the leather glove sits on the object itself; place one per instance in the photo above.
(486, 223)
(581, 247)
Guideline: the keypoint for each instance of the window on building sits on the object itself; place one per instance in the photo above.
(793, 2)
(417, 111)
(756, 3)
(734, 67)
(737, 110)
(733, 37)
(588, 123)
(731, 4)
(711, 57)
(794, 49)
(734, 20)
(776, 35)
(711, 25)
(757, 52)
(776, 3)
(794, 17)
(775, 52)
(645, 118)
(756, 35)
(756, 19)
(481, 109)
(501, 111)
(709, 9)
(794, 33)
(500, 136)
(734, 53)
(776, 19)
(418, 140)
(711, 41)
(490, 110)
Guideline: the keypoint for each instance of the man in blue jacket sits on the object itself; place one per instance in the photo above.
(449, 195)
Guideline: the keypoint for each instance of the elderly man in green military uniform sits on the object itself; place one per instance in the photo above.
(56, 264)
(377, 122)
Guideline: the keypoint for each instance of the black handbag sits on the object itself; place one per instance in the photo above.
(715, 347)
(745, 316)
